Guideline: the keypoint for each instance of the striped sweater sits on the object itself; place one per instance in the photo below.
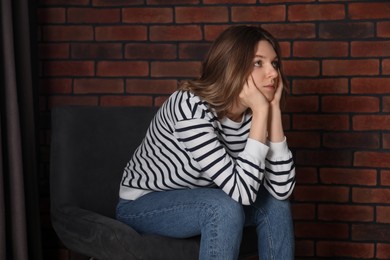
(187, 147)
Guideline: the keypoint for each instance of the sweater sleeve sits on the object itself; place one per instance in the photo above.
(279, 170)
(239, 178)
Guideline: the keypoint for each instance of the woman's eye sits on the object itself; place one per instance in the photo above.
(258, 63)
(275, 64)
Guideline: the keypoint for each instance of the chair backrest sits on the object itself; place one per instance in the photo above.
(90, 147)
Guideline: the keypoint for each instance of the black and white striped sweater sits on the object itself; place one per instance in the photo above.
(187, 147)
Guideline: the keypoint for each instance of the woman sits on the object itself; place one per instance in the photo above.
(215, 157)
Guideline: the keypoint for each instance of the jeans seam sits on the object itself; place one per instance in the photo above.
(269, 236)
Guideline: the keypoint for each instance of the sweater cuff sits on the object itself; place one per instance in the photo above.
(256, 149)
(277, 150)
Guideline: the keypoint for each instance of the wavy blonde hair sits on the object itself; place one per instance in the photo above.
(227, 66)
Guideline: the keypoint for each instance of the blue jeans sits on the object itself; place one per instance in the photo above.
(216, 217)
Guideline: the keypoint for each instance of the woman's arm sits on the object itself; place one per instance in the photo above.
(280, 168)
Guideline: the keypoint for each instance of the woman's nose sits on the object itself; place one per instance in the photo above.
(272, 72)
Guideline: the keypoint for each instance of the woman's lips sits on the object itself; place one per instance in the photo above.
(270, 86)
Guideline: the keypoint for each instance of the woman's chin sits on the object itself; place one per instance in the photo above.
(269, 97)
(268, 94)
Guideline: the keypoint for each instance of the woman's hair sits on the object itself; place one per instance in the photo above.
(227, 66)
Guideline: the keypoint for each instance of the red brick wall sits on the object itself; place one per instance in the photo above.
(337, 119)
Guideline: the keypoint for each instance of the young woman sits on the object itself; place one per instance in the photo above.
(215, 157)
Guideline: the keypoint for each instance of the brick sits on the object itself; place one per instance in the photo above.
(370, 195)
(368, 10)
(351, 140)
(320, 49)
(323, 158)
(386, 140)
(55, 86)
(121, 32)
(195, 51)
(301, 104)
(304, 248)
(286, 119)
(321, 230)
(383, 29)
(126, 101)
(122, 68)
(370, 85)
(117, 2)
(303, 211)
(371, 232)
(382, 251)
(350, 67)
(98, 86)
(211, 32)
(320, 122)
(386, 66)
(59, 101)
(371, 122)
(284, 1)
(67, 33)
(53, 50)
(320, 86)
(365, 177)
(372, 159)
(175, 69)
(386, 104)
(299, 139)
(147, 15)
(285, 49)
(63, 2)
(159, 101)
(382, 214)
(292, 30)
(229, 1)
(175, 33)
(69, 68)
(385, 177)
(217, 14)
(148, 86)
(350, 104)
(350, 213)
(50, 15)
(307, 175)
(346, 30)
(345, 249)
(310, 68)
(96, 51)
(150, 51)
(93, 15)
(272, 13)
(171, 2)
(318, 193)
(370, 49)
(310, 12)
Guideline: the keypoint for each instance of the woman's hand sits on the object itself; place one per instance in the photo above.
(252, 97)
(278, 93)
(275, 128)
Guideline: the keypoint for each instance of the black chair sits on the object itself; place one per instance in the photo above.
(90, 146)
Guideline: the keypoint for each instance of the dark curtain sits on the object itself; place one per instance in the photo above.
(19, 211)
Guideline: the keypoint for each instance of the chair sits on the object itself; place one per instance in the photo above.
(90, 146)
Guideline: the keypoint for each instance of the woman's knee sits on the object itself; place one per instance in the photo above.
(224, 209)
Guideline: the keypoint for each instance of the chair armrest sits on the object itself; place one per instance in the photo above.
(102, 237)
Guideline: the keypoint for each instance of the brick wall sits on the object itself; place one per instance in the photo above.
(337, 119)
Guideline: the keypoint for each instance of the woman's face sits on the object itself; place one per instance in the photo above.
(265, 73)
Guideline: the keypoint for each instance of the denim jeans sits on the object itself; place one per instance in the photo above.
(219, 220)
